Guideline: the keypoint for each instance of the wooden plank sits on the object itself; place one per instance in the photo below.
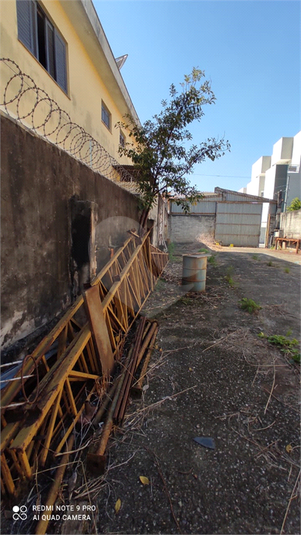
(99, 329)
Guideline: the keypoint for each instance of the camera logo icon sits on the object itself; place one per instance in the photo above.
(20, 513)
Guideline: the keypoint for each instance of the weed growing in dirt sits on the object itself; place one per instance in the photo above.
(203, 250)
(270, 263)
(286, 345)
(228, 277)
(171, 249)
(255, 257)
(186, 300)
(287, 270)
(212, 260)
(249, 305)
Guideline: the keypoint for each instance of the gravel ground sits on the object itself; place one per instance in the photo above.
(211, 375)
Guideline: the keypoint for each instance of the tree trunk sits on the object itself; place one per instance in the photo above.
(143, 221)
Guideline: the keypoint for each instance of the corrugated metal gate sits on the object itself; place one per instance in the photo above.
(238, 223)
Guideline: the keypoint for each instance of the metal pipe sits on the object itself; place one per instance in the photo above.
(42, 524)
(146, 343)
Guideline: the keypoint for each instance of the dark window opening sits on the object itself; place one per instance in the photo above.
(45, 42)
(41, 38)
(105, 116)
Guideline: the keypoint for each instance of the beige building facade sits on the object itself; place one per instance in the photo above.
(62, 49)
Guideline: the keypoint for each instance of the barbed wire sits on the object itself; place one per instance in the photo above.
(34, 108)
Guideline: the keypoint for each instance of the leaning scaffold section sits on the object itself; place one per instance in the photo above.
(45, 395)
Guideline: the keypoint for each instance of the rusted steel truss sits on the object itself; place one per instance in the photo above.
(46, 399)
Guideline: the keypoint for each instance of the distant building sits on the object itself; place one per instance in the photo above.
(277, 177)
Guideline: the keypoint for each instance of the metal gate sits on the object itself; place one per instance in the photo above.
(238, 223)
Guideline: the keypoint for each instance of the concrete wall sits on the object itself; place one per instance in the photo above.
(190, 228)
(41, 230)
(290, 224)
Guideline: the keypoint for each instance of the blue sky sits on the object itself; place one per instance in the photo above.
(249, 49)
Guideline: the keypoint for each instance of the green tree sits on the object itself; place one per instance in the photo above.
(295, 205)
(160, 151)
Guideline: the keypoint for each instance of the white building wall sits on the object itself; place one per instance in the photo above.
(282, 151)
(261, 185)
(269, 174)
(253, 186)
(269, 188)
(296, 153)
(256, 186)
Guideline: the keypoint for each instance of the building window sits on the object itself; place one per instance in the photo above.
(121, 139)
(42, 38)
(105, 116)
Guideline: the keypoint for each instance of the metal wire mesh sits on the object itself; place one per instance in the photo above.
(30, 105)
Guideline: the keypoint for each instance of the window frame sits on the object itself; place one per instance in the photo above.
(105, 110)
(122, 137)
(28, 34)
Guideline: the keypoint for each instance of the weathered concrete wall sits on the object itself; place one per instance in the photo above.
(190, 228)
(39, 185)
(290, 224)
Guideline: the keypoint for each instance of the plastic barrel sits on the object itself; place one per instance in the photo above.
(194, 272)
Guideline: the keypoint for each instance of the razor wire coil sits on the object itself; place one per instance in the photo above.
(34, 108)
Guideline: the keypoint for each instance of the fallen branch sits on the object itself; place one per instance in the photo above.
(161, 401)
(282, 402)
(273, 386)
(220, 340)
(290, 501)
(164, 486)
(267, 427)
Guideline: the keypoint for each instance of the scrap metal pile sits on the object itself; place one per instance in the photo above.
(85, 365)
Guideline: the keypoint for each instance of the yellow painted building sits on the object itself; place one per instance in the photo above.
(69, 76)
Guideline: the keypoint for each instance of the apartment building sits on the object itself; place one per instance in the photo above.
(277, 177)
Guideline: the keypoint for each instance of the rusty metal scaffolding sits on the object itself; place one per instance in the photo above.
(46, 398)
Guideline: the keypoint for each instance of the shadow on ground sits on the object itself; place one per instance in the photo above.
(214, 374)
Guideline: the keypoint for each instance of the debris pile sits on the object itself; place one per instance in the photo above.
(84, 369)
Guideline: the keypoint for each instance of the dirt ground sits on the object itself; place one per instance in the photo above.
(211, 375)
